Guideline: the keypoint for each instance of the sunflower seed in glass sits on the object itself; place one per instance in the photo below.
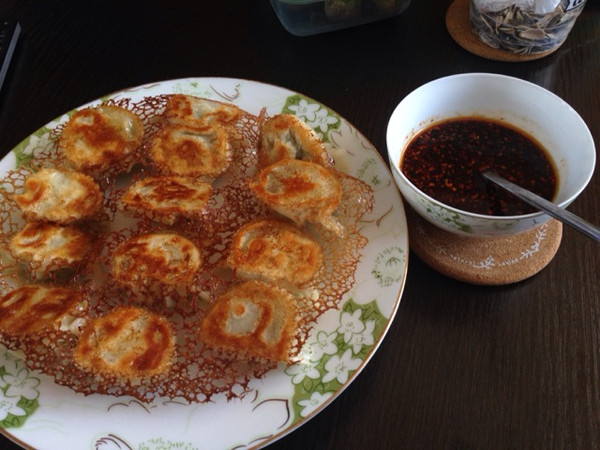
(524, 26)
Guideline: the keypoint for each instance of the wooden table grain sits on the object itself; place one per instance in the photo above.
(462, 366)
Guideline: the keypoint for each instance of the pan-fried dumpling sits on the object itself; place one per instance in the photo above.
(98, 139)
(167, 198)
(197, 111)
(47, 247)
(59, 195)
(33, 309)
(160, 259)
(252, 319)
(191, 151)
(275, 250)
(129, 342)
(301, 191)
(285, 136)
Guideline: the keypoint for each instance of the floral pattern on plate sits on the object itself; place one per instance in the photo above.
(19, 389)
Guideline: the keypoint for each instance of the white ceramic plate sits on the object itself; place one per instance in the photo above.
(37, 412)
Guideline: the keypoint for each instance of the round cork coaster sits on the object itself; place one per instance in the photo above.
(484, 261)
(459, 27)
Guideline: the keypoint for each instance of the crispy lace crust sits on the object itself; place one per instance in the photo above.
(198, 372)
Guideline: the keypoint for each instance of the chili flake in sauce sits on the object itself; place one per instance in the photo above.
(446, 160)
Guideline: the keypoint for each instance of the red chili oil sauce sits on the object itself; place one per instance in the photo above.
(446, 159)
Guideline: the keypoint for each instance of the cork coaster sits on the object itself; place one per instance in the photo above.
(459, 27)
(484, 261)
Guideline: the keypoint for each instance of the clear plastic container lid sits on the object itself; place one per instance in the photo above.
(306, 17)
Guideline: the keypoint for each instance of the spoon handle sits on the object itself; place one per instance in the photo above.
(559, 213)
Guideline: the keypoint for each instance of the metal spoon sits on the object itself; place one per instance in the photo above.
(559, 213)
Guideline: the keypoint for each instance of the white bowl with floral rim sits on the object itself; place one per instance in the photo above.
(529, 107)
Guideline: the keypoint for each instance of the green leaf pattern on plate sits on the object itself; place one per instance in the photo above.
(28, 148)
(389, 266)
(162, 444)
(112, 441)
(369, 174)
(18, 391)
(329, 358)
(314, 114)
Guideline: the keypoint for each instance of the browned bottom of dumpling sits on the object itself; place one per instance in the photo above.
(252, 319)
(167, 198)
(128, 342)
(48, 247)
(59, 195)
(33, 309)
(191, 151)
(302, 191)
(156, 259)
(197, 111)
(275, 250)
(285, 136)
(103, 138)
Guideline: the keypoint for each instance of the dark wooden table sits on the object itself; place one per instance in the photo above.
(463, 366)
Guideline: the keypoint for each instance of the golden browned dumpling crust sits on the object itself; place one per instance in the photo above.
(59, 195)
(196, 111)
(190, 151)
(102, 138)
(266, 297)
(275, 250)
(128, 342)
(48, 247)
(32, 309)
(252, 319)
(301, 191)
(156, 258)
(285, 136)
(167, 198)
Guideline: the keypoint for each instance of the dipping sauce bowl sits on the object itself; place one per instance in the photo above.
(555, 125)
